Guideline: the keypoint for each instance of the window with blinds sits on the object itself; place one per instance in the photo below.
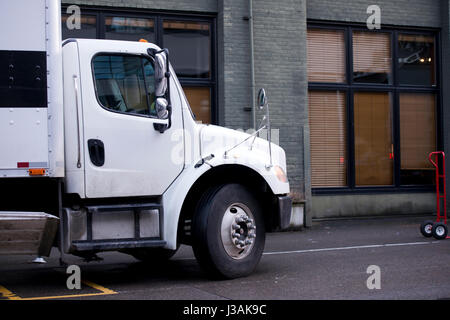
(417, 137)
(374, 154)
(372, 57)
(327, 119)
(326, 56)
(393, 124)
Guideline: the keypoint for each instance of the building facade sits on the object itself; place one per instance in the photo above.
(357, 105)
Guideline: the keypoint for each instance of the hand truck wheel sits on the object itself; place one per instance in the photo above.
(426, 228)
(439, 230)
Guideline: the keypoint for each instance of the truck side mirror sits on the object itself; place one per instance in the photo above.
(162, 86)
(262, 102)
(161, 105)
(262, 98)
(160, 75)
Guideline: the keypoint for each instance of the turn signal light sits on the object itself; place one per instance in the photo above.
(36, 172)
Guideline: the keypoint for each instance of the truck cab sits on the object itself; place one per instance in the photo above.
(108, 153)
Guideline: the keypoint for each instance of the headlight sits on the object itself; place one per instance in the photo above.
(281, 175)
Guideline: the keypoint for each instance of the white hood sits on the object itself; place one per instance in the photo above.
(239, 146)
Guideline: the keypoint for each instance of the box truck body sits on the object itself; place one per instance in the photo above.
(31, 89)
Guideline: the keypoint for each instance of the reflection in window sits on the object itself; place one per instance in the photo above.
(327, 120)
(130, 29)
(372, 57)
(374, 154)
(87, 30)
(121, 85)
(416, 59)
(199, 99)
(326, 56)
(189, 43)
(417, 137)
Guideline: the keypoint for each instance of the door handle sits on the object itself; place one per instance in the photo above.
(96, 152)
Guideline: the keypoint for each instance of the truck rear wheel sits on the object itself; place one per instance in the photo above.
(228, 232)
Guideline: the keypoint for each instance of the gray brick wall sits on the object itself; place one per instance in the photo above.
(234, 62)
(280, 67)
(209, 6)
(423, 13)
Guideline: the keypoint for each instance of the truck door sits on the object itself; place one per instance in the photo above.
(124, 154)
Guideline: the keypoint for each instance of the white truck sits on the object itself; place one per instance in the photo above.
(100, 151)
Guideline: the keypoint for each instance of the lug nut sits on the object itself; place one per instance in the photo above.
(252, 235)
(236, 235)
(235, 226)
(248, 241)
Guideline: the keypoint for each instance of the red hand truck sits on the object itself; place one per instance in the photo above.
(438, 229)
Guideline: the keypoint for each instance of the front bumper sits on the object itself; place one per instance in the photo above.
(283, 218)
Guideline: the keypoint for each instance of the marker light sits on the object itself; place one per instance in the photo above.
(36, 172)
(281, 175)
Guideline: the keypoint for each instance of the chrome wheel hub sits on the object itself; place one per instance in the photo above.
(238, 231)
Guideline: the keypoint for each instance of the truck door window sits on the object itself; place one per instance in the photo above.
(125, 83)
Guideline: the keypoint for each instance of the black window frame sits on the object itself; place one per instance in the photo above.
(159, 16)
(349, 88)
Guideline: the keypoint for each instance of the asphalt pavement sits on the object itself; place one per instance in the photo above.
(373, 258)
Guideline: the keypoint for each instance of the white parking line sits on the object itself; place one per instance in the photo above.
(353, 247)
(339, 248)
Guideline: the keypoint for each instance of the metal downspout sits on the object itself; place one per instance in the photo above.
(252, 65)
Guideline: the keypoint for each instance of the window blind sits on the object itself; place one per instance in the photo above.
(371, 52)
(374, 156)
(417, 129)
(326, 56)
(327, 118)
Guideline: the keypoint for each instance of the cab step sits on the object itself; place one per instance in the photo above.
(113, 227)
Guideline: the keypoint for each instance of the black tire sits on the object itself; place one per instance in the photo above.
(440, 231)
(426, 228)
(208, 244)
(154, 255)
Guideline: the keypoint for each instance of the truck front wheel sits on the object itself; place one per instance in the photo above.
(228, 231)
